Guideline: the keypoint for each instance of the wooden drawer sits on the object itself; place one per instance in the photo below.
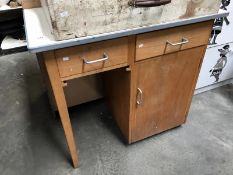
(91, 57)
(171, 40)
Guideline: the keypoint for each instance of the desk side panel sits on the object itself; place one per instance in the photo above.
(117, 92)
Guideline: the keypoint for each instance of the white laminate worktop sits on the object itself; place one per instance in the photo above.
(39, 38)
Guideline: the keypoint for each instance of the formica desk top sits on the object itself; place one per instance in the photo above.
(40, 39)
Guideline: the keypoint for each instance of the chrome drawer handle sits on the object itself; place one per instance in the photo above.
(183, 41)
(104, 58)
(139, 96)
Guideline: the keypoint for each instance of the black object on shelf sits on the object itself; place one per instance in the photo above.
(12, 24)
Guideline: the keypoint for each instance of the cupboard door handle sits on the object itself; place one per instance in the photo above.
(139, 96)
(104, 58)
(148, 3)
(183, 41)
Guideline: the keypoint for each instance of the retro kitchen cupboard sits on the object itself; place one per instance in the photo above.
(154, 94)
(222, 37)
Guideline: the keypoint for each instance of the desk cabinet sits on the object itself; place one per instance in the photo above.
(164, 90)
(154, 94)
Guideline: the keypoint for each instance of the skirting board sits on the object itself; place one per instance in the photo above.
(207, 88)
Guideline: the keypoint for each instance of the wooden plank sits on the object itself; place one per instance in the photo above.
(93, 72)
(117, 92)
(46, 79)
(56, 84)
(118, 15)
(118, 89)
(28, 4)
(131, 55)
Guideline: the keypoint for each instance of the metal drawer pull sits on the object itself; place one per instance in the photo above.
(105, 57)
(139, 96)
(184, 41)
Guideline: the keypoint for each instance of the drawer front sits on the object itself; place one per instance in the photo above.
(171, 40)
(91, 57)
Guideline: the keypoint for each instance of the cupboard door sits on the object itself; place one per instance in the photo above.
(164, 88)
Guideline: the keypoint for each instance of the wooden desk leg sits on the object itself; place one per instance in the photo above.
(56, 84)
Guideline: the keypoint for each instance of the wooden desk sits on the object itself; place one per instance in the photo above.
(150, 72)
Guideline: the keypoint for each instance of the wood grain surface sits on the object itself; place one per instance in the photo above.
(155, 43)
(95, 17)
(28, 4)
(70, 60)
(167, 84)
(57, 88)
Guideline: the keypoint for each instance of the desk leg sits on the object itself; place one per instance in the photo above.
(57, 88)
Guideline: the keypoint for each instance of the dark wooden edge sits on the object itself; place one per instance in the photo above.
(28, 4)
